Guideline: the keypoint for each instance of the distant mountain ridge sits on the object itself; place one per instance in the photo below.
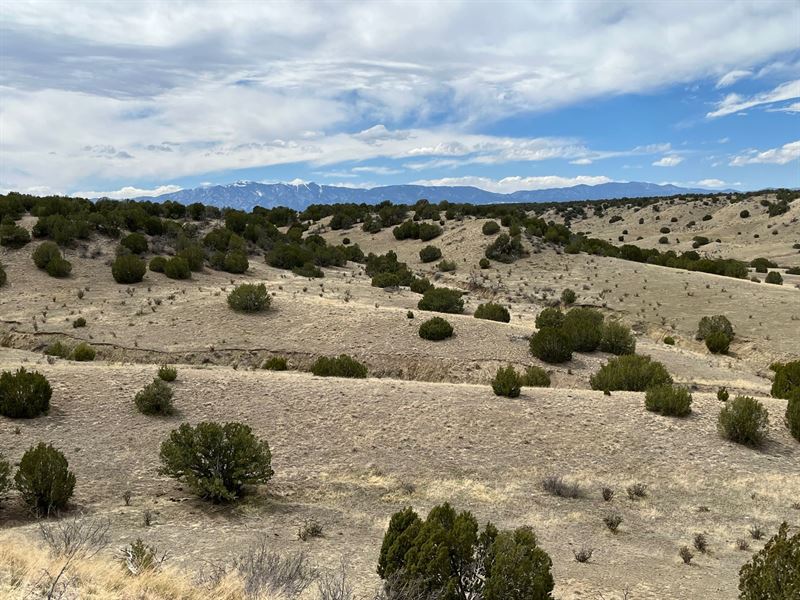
(244, 195)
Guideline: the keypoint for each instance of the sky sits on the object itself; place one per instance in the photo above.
(130, 98)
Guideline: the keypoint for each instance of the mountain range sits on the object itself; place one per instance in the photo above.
(244, 195)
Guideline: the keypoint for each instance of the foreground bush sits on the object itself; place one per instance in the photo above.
(46, 252)
(439, 557)
(435, 329)
(155, 399)
(442, 300)
(44, 479)
(668, 400)
(216, 461)
(535, 377)
(709, 325)
(551, 345)
(249, 297)
(743, 420)
(584, 327)
(128, 268)
(617, 339)
(493, 312)
(177, 267)
(339, 366)
(632, 373)
(774, 572)
(507, 382)
(787, 378)
(24, 394)
(83, 352)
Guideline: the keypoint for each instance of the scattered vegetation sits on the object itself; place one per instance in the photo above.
(249, 297)
(744, 420)
(669, 400)
(44, 480)
(558, 486)
(128, 268)
(493, 312)
(167, 373)
(442, 300)
(633, 373)
(507, 382)
(24, 394)
(535, 377)
(551, 345)
(435, 329)
(155, 399)
(339, 366)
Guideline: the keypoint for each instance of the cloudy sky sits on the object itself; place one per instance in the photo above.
(130, 96)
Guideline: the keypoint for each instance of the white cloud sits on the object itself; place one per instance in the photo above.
(377, 170)
(668, 161)
(733, 103)
(732, 77)
(130, 192)
(778, 156)
(711, 183)
(507, 185)
(581, 161)
(791, 108)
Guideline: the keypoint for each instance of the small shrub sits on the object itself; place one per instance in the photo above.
(430, 254)
(568, 297)
(787, 378)
(774, 572)
(128, 268)
(506, 382)
(140, 558)
(276, 363)
(551, 345)
(700, 542)
(558, 486)
(4, 277)
(617, 339)
(722, 394)
(636, 491)
(668, 400)
(339, 366)
(44, 479)
(5, 476)
(685, 554)
(505, 249)
(709, 325)
(584, 326)
(493, 312)
(420, 285)
(792, 417)
(216, 461)
(427, 231)
(309, 530)
(718, 342)
(135, 242)
(632, 372)
(24, 394)
(663, 240)
(442, 300)
(756, 532)
(613, 522)
(583, 554)
(157, 264)
(535, 377)
(607, 493)
(669, 340)
(490, 228)
(83, 352)
(58, 267)
(743, 420)
(446, 266)
(550, 317)
(177, 267)
(249, 297)
(435, 329)
(79, 322)
(155, 399)
(309, 269)
(744, 214)
(774, 277)
(46, 252)
(484, 263)
(167, 373)
(58, 349)
(235, 262)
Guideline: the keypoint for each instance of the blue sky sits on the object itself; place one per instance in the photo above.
(124, 98)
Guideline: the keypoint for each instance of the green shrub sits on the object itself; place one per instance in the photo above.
(774, 277)
(550, 317)
(3, 276)
(744, 214)
(669, 340)
(722, 394)
(631, 372)
(568, 297)
(386, 280)
(216, 461)
(44, 479)
(58, 349)
(79, 322)
(157, 264)
(177, 268)
(155, 399)
(428, 231)
(774, 572)
(435, 329)
(718, 342)
(484, 263)
(493, 312)
(535, 377)
(430, 254)
(309, 269)
(12, 235)
(490, 228)
(744, 421)
(551, 345)
(249, 297)
(135, 242)
(5, 476)
(83, 352)
(519, 569)
(617, 339)
(787, 378)
(236, 262)
(442, 300)
(59, 267)
(505, 249)
(446, 266)
(128, 268)
(668, 400)
(339, 366)
(167, 373)
(663, 240)
(792, 417)
(46, 252)
(24, 394)
(276, 363)
(709, 325)
(584, 326)
(194, 255)
(420, 285)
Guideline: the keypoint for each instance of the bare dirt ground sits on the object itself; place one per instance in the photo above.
(425, 427)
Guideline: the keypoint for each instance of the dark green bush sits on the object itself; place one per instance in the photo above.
(57, 348)
(446, 266)
(3, 276)
(535, 377)
(155, 399)
(507, 382)
(59, 267)
(177, 268)
(787, 378)
(663, 240)
(79, 322)
(774, 572)
(774, 277)
(743, 420)
(216, 461)
(490, 228)
(551, 345)
(718, 342)
(617, 339)
(420, 285)
(309, 269)
(435, 329)
(167, 373)
(428, 231)
(493, 312)
(276, 363)
(339, 366)
(24, 394)
(46, 252)
(135, 242)
(568, 297)
(550, 317)
(442, 300)
(505, 249)
(157, 264)
(5, 477)
(12, 235)
(194, 255)
(236, 262)
(722, 394)
(631, 372)
(83, 352)
(408, 230)
(709, 325)
(584, 326)
(128, 268)
(744, 214)
(249, 297)
(44, 479)
(668, 400)
(792, 417)
(484, 263)
(669, 340)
